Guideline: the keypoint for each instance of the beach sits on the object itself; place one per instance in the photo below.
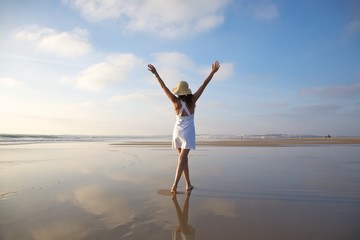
(256, 142)
(244, 189)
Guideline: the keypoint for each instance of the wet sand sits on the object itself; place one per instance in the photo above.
(105, 191)
(257, 142)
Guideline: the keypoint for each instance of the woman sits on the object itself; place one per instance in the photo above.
(184, 131)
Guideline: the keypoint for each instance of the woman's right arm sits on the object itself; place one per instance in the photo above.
(214, 68)
(168, 93)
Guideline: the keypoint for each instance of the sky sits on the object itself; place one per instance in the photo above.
(80, 66)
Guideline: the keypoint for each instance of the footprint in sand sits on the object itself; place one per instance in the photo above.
(8, 194)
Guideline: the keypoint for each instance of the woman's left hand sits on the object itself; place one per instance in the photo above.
(152, 69)
(215, 66)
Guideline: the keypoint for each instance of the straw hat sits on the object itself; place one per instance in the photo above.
(182, 88)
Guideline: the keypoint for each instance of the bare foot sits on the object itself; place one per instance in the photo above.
(189, 188)
(173, 190)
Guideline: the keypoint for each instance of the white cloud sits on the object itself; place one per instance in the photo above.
(353, 27)
(173, 66)
(84, 104)
(266, 11)
(128, 97)
(59, 230)
(95, 200)
(172, 18)
(333, 91)
(97, 10)
(226, 71)
(220, 207)
(64, 44)
(173, 59)
(318, 109)
(274, 105)
(10, 82)
(115, 68)
(135, 96)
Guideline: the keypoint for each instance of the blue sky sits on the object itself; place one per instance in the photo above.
(79, 66)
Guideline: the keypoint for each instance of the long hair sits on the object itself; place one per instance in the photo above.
(187, 99)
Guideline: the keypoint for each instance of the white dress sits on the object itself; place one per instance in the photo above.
(184, 130)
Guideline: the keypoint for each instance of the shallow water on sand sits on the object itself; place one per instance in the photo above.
(101, 191)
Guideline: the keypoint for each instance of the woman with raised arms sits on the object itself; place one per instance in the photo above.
(184, 131)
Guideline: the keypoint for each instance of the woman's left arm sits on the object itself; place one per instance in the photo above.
(168, 93)
(214, 68)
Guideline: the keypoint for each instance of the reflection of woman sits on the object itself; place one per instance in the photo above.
(184, 131)
(184, 231)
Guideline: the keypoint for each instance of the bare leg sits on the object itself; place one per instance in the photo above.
(182, 163)
(187, 175)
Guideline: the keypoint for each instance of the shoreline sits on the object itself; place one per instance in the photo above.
(245, 142)
(275, 142)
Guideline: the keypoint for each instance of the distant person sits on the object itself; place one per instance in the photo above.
(184, 131)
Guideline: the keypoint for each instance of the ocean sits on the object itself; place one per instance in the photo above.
(45, 138)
